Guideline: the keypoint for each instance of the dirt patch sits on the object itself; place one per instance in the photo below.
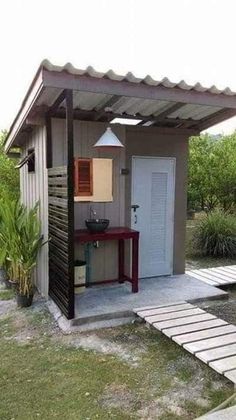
(30, 323)
(225, 309)
(105, 346)
(6, 307)
(117, 396)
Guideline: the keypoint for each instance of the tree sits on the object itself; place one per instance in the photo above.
(225, 163)
(212, 172)
(201, 180)
(9, 176)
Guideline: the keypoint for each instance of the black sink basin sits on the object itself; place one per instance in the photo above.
(97, 225)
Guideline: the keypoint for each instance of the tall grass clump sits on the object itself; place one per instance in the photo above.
(215, 235)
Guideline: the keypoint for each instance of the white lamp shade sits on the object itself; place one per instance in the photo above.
(108, 139)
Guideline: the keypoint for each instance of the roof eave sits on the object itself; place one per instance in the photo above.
(31, 96)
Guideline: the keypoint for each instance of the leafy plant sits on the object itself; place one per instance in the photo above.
(20, 242)
(215, 235)
(9, 176)
(212, 173)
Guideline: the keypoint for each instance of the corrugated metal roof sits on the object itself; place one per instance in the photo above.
(130, 77)
(132, 106)
(87, 101)
(176, 106)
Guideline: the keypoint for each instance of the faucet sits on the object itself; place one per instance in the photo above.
(93, 213)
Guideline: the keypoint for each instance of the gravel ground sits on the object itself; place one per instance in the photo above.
(225, 309)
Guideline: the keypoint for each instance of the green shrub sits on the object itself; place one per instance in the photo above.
(20, 242)
(215, 235)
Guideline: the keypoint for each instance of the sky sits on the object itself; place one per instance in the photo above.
(192, 40)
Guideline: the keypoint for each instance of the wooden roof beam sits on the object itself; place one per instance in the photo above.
(61, 97)
(111, 101)
(164, 114)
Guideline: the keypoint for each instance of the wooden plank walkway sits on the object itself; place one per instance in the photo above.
(210, 339)
(218, 276)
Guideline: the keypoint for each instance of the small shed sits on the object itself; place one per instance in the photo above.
(140, 187)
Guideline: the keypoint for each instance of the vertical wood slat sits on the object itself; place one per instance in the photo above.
(63, 206)
(60, 230)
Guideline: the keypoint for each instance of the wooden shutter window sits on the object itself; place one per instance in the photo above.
(83, 177)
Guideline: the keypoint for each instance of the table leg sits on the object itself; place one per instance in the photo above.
(121, 258)
(135, 246)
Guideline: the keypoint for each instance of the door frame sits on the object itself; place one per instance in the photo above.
(172, 227)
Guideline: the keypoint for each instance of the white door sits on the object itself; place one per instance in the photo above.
(153, 185)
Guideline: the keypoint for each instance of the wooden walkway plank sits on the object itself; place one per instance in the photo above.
(225, 273)
(183, 321)
(229, 270)
(198, 277)
(215, 276)
(165, 310)
(223, 365)
(210, 343)
(198, 326)
(231, 375)
(145, 308)
(210, 339)
(216, 354)
(201, 335)
(211, 276)
(173, 315)
(214, 272)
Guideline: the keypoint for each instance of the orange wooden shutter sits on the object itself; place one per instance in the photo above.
(83, 177)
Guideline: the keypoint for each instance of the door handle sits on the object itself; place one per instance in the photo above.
(135, 207)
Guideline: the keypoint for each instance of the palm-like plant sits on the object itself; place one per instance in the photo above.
(20, 242)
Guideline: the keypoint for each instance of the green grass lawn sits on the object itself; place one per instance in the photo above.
(45, 374)
(6, 294)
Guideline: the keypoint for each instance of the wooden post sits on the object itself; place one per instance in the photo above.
(70, 187)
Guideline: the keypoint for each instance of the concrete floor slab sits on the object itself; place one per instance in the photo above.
(110, 299)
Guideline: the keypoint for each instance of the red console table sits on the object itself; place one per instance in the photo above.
(120, 234)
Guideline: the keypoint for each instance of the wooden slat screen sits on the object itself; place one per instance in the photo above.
(61, 272)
